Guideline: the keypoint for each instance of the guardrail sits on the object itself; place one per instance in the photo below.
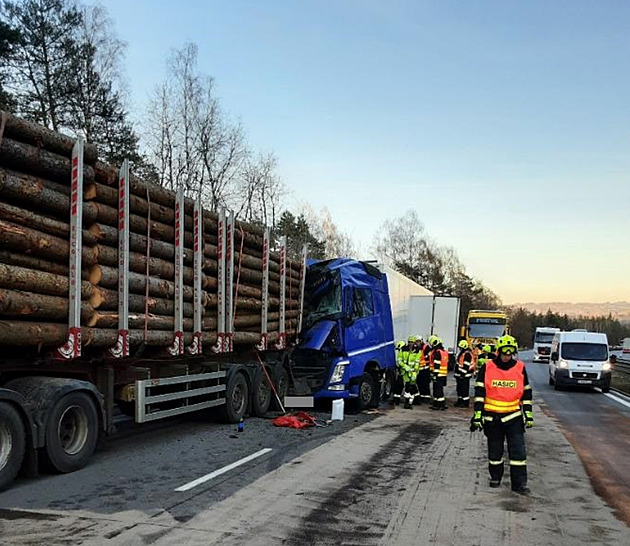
(621, 375)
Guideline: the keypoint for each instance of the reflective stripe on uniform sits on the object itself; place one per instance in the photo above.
(518, 463)
(479, 398)
(440, 399)
(510, 417)
(528, 387)
(495, 462)
(499, 406)
(486, 418)
(479, 384)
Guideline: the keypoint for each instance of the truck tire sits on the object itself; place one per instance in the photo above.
(387, 386)
(367, 392)
(261, 395)
(71, 433)
(12, 444)
(556, 384)
(282, 386)
(236, 398)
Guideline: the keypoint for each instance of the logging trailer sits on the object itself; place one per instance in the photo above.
(118, 295)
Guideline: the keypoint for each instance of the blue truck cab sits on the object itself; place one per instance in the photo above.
(346, 346)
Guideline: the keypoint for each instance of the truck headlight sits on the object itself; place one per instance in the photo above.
(606, 366)
(338, 372)
(563, 364)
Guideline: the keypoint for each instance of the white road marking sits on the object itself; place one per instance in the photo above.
(616, 399)
(223, 470)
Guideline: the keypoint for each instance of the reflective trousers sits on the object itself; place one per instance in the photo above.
(424, 385)
(497, 433)
(439, 401)
(463, 390)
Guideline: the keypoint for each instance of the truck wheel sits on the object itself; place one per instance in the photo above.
(556, 385)
(236, 398)
(367, 392)
(282, 386)
(12, 444)
(71, 433)
(606, 388)
(261, 395)
(387, 386)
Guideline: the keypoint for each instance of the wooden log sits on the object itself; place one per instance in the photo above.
(22, 305)
(37, 135)
(30, 241)
(107, 300)
(108, 256)
(41, 282)
(33, 160)
(99, 337)
(109, 319)
(108, 235)
(243, 305)
(32, 262)
(137, 205)
(28, 218)
(107, 277)
(31, 334)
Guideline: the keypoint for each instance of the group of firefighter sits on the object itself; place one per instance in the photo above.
(502, 406)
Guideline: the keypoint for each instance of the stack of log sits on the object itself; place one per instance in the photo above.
(35, 174)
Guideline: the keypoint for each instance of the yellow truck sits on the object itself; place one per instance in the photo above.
(485, 327)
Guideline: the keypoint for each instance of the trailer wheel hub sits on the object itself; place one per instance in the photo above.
(73, 430)
(6, 444)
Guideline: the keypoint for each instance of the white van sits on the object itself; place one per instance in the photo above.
(580, 359)
(542, 343)
(625, 345)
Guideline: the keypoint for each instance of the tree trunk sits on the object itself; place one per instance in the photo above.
(36, 135)
(107, 300)
(21, 305)
(107, 277)
(33, 160)
(42, 223)
(108, 235)
(30, 241)
(31, 262)
(29, 280)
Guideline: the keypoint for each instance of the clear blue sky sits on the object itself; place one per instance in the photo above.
(505, 124)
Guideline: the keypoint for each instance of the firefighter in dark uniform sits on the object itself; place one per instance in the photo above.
(438, 362)
(502, 409)
(424, 373)
(463, 372)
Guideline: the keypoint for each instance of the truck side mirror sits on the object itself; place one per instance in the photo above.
(613, 359)
(554, 356)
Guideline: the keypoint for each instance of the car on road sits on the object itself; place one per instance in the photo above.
(580, 359)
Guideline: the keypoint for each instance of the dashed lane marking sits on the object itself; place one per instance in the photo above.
(223, 470)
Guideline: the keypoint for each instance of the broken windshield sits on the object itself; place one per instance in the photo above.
(322, 297)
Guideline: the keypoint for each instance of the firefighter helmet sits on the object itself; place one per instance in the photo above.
(400, 345)
(507, 345)
(412, 339)
(434, 341)
(463, 344)
(487, 349)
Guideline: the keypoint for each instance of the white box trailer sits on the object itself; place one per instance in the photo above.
(417, 311)
(437, 315)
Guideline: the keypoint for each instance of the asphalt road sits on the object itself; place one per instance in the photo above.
(141, 467)
(598, 427)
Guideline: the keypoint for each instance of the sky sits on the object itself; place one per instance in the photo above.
(505, 124)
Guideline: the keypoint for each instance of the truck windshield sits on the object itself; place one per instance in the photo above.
(486, 330)
(584, 351)
(322, 298)
(542, 337)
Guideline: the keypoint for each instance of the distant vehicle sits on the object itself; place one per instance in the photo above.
(542, 343)
(580, 359)
(625, 345)
(485, 327)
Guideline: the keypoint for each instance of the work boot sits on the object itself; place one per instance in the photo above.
(521, 490)
(396, 400)
(495, 483)
(407, 404)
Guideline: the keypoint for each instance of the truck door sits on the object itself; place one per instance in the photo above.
(363, 329)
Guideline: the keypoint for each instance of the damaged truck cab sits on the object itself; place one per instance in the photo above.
(346, 345)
